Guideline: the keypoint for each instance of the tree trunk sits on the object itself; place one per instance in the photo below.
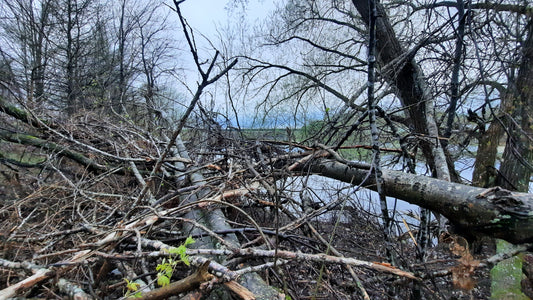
(71, 61)
(401, 71)
(40, 55)
(494, 212)
(517, 164)
(484, 169)
(117, 102)
(485, 172)
(214, 219)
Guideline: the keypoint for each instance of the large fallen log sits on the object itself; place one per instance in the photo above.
(494, 212)
(27, 139)
(214, 219)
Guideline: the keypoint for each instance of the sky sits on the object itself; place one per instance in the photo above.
(206, 15)
(209, 17)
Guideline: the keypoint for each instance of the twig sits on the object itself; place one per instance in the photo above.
(293, 256)
(210, 233)
(72, 290)
(337, 253)
(40, 275)
(240, 290)
(381, 267)
(261, 267)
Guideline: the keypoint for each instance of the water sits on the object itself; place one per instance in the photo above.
(324, 190)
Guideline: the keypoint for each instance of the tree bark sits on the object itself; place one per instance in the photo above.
(484, 169)
(215, 219)
(188, 283)
(12, 290)
(493, 212)
(517, 164)
(408, 79)
(26, 139)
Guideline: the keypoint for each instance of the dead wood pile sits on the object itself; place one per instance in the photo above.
(85, 215)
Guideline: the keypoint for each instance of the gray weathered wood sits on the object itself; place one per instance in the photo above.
(494, 212)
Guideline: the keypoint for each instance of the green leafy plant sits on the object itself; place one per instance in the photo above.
(132, 289)
(166, 268)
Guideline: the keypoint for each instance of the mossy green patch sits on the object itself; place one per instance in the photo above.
(506, 276)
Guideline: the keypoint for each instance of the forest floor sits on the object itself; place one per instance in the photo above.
(360, 236)
(43, 227)
(72, 215)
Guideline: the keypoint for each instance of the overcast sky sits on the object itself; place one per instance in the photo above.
(206, 15)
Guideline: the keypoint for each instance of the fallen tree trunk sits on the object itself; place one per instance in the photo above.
(494, 212)
(27, 139)
(215, 219)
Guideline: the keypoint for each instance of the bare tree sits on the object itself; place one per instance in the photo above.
(517, 167)
(26, 26)
(116, 200)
